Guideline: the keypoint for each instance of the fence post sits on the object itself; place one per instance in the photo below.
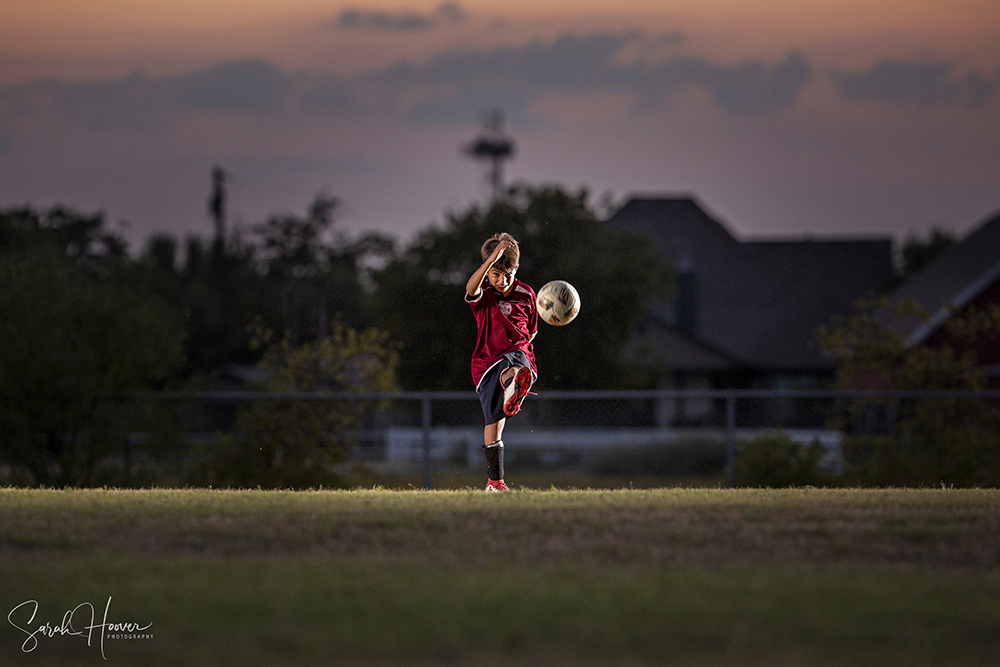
(731, 439)
(425, 414)
(127, 460)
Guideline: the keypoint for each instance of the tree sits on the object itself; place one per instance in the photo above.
(219, 294)
(83, 321)
(917, 252)
(312, 271)
(295, 273)
(80, 238)
(68, 346)
(419, 295)
(298, 444)
(914, 442)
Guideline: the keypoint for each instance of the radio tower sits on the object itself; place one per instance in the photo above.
(493, 146)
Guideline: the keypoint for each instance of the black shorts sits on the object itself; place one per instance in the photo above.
(490, 391)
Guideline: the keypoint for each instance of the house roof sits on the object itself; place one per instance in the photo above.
(950, 281)
(680, 226)
(658, 345)
(787, 289)
(760, 302)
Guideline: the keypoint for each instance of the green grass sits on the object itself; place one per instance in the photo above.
(459, 478)
(671, 576)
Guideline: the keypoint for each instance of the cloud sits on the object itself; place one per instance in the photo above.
(447, 13)
(243, 85)
(134, 102)
(453, 86)
(140, 102)
(330, 94)
(750, 87)
(509, 76)
(513, 76)
(922, 84)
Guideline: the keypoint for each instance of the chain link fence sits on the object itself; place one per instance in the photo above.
(664, 432)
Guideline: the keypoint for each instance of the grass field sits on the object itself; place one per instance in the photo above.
(624, 577)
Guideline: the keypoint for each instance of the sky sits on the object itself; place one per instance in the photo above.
(783, 118)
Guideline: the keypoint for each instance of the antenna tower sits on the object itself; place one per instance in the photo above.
(494, 147)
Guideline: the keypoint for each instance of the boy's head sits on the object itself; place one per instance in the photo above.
(501, 274)
(510, 258)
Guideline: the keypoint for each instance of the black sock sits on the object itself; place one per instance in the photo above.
(494, 460)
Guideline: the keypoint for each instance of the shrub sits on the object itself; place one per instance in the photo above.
(915, 441)
(775, 460)
(300, 443)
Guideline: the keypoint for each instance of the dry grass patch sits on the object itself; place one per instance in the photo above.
(686, 527)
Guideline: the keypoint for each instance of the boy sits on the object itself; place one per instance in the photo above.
(503, 362)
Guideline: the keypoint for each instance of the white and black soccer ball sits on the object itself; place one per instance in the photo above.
(558, 303)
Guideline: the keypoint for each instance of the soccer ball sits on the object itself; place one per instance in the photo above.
(558, 303)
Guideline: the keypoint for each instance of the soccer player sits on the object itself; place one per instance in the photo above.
(503, 361)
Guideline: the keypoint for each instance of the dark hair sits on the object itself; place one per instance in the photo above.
(511, 257)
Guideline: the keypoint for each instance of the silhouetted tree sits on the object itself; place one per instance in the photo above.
(75, 333)
(82, 322)
(219, 295)
(80, 238)
(917, 252)
(296, 274)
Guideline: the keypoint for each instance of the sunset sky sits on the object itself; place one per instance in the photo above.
(782, 117)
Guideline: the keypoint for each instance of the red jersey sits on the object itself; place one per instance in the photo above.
(504, 325)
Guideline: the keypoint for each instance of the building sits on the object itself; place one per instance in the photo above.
(744, 313)
(963, 279)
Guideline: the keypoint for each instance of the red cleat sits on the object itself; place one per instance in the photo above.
(496, 485)
(514, 393)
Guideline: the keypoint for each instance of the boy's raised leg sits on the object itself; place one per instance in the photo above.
(515, 390)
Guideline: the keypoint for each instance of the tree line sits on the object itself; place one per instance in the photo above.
(83, 322)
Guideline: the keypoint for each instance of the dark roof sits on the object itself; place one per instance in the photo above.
(658, 345)
(680, 226)
(950, 281)
(760, 302)
(787, 289)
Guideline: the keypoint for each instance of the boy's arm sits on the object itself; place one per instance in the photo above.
(475, 284)
(533, 318)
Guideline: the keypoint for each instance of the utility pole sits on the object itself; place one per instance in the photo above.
(217, 207)
(494, 147)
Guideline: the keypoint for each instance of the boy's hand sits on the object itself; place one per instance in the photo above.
(503, 245)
